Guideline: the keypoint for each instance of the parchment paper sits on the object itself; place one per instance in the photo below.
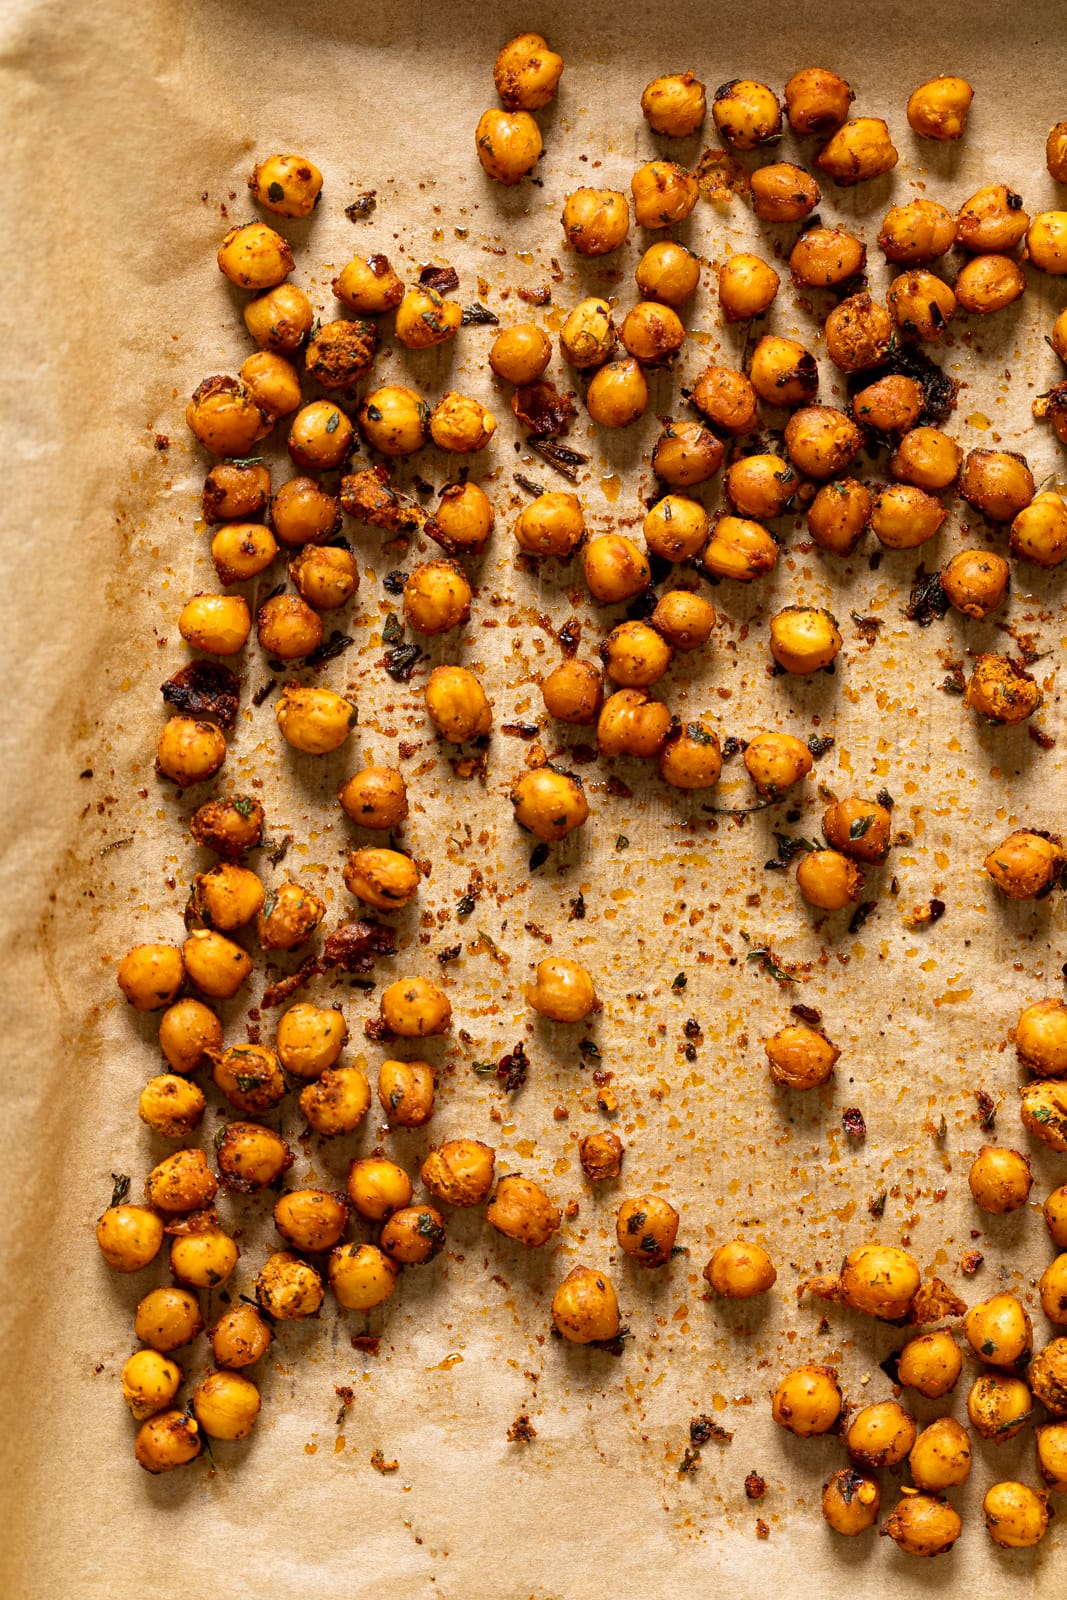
(130, 132)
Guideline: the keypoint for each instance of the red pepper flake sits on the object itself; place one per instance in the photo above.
(852, 1120)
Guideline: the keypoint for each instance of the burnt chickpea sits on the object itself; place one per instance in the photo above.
(880, 1435)
(150, 975)
(1001, 690)
(839, 515)
(646, 1229)
(204, 1259)
(817, 101)
(250, 1077)
(1025, 865)
(740, 1270)
(675, 104)
(999, 1330)
(727, 399)
(663, 194)
(601, 1155)
(632, 724)
(617, 394)
(889, 405)
(782, 372)
(463, 521)
(415, 1008)
(976, 582)
(1052, 1289)
(181, 1182)
(686, 454)
(1016, 1516)
(377, 1188)
(521, 1210)
(808, 1401)
(167, 1440)
(992, 220)
(376, 797)
(171, 1106)
(821, 441)
(368, 285)
(254, 256)
(595, 221)
(149, 1383)
(858, 828)
(321, 437)
(1054, 1212)
(917, 233)
(509, 146)
(652, 333)
(804, 639)
(635, 655)
(406, 1092)
(336, 1103)
(216, 965)
(242, 550)
(930, 1363)
(549, 804)
(676, 528)
(551, 525)
(520, 354)
(903, 517)
(326, 576)
(851, 1500)
(339, 353)
(188, 1031)
(235, 491)
(229, 827)
(828, 880)
(130, 1237)
(927, 458)
(776, 761)
(986, 284)
(394, 420)
(287, 1288)
(615, 569)
(527, 73)
(437, 598)
(747, 287)
(998, 1406)
(562, 990)
(459, 1172)
(684, 619)
(923, 1525)
(309, 1039)
(1048, 1377)
(690, 757)
(290, 917)
(859, 151)
(288, 185)
(668, 272)
(824, 257)
(273, 382)
(304, 513)
(587, 338)
(747, 114)
(799, 1057)
(938, 109)
(783, 192)
(921, 304)
(385, 879)
(585, 1309)
(240, 1337)
(461, 425)
(880, 1280)
(413, 1235)
(1051, 1442)
(457, 704)
(225, 418)
(1039, 531)
(759, 486)
(281, 319)
(314, 721)
(740, 549)
(217, 624)
(1056, 152)
(859, 334)
(168, 1318)
(1041, 1040)
(574, 692)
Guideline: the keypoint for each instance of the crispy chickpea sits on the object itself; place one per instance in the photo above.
(851, 1500)
(690, 757)
(216, 965)
(311, 1220)
(273, 382)
(413, 1235)
(821, 441)
(235, 491)
(385, 879)
(776, 761)
(921, 304)
(1046, 242)
(999, 1330)
(917, 233)
(986, 284)
(226, 1405)
(321, 436)
(668, 272)
(361, 1276)
(807, 1401)
(759, 486)
(168, 1318)
(783, 192)
(1041, 1038)
(740, 549)
(1051, 1441)
(587, 338)
(1043, 1110)
(938, 109)
(463, 521)
(998, 1406)
(839, 515)
(549, 804)
(617, 395)
(457, 704)
(129, 1237)
(923, 1525)
(290, 917)
(182, 1182)
(376, 797)
(646, 1229)
(635, 655)
(747, 286)
(823, 257)
(927, 458)
(1016, 1516)
(406, 1092)
(309, 1039)
(377, 1187)
(880, 1435)
(414, 1008)
(287, 1288)
(336, 1102)
(1025, 865)
(203, 1260)
(930, 1363)
(941, 1456)
(880, 1280)
(1001, 690)
(437, 597)
(394, 420)
(520, 354)
(253, 256)
(1054, 1212)
(686, 454)
(631, 723)
(728, 400)
(326, 576)
(562, 990)
(225, 417)
(288, 185)
(369, 285)
(188, 1032)
(240, 1337)
(595, 221)
(615, 568)
(663, 194)
(889, 405)
(459, 1172)
(172, 1106)
(149, 1383)
(860, 150)
(461, 425)
(1039, 531)
(675, 104)
(150, 975)
(303, 513)
(817, 101)
(227, 897)
(251, 1157)
(903, 517)
(551, 525)
(685, 619)
(1052, 1288)
(782, 372)
(993, 220)
(340, 353)
(527, 73)
(804, 639)
(740, 1270)
(747, 114)
(574, 692)
(799, 1057)
(521, 1210)
(228, 827)
(280, 319)
(858, 828)
(652, 333)
(584, 1307)
(601, 1155)
(1056, 152)
(242, 550)
(859, 334)
(1048, 1377)
(189, 752)
(675, 528)
(509, 146)
(167, 1440)
(218, 624)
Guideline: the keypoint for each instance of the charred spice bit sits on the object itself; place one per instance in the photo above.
(264, 690)
(204, 689)
(560, 456)
(733, 746)
(379, 1463)
(443, 279)
(362, 206)
(809, 1014)
(528, 484)
(818, 744)
(854, 1123)
(512, 1068)
(334, 646)
(392, 631)
(401, 661)
(346, 1397)
(762, 1530)
(622, 842)
(479, 315)
(570, 636)
(702, 1429)
(755, 1486)
(768, 962)
(867, 628)
(451, 952)
(876, 1207)
(120, 1188)
(116, 844)
(970, 1261)
(926, 915)
(928, 601)
(522, 1430)
(987, 1109)
(1043, 740)
(680, 981)
(277, 853)
(885, 799)
(689, 1462)
(577, 908)
(520, 730)
(860, 915)
(542, 410)
(393, 582)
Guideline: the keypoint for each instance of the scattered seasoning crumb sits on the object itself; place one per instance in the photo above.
(379, 1463)
(762, 1530)
(987, 1109)
(689, 1462)
(264, 690)
(277, 852)
(818, 744)
(854, 1123)
(970, 1261)
(876, 1207)
(809, 1014)
(860, 915)
(755, 1486)
(522, 1430)
(346, 1396)
(362, 206)
(577, 910)
(1043, 740)
(703, 1429)
(925, 916)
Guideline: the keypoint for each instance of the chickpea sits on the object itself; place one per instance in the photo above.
(287, 627)
(783, 192)
(240, 1337)
(377, 1188)
(150, 975)
(376, 797)
(993, 220)
(807, 1401)
(652, 333)
(336, 1102)
(527, 73)
(921, 304)
(800, 1058)
(290, 917)
(171, 1106)
(927, 458)
(520, 354)
(917, 233)
(149, 1383)
(690, 757)
(463, 521)
(1016, 1516)
(289, 185)
(859, 334)
(804, 639)
(413, 1235)
(595, 221)
(776, 761)
(824, 257)
(674, 104)
(1056, 152)
(551, 525)
(889, 405)
(320, 437)
(880, 1435)
(904, 517)
(858, 828)
(235, 491)
(459, 1172)
(941, 1456)
(253, 256)
(1046, 242)
(225, 417)
(740, 1270)
(394, 420)
(740, 549)
(1001, 691)
(169, 1439)
(226, 1405)
(615, 568)
(303, 513)
(414, 1008)
(728, 400)
(1048, 1377)
(229, 827)
(458, 706)
(181, 1182)
(280, 319)
(839, 515)
(218, 624)
(189, 752)
(601, 1155)
(550, 804)
(989, 283)
(1043, 1110)
(747, 114)
(368, 285)
(584, 1307)
(930, 1363)
(252, 1157)
(406, 1092)
(631, 723)
(617, 395)
(1039, 531)
(759, 486)
(588, 336)
(668, 272)
(437, 598)
(216, 965)
(635, 656)
(747, 286)
(461, 425)
(686, 454)
(227, 897)
(663, 194)
(310, 1039)
(817, 101)
(242, 550)
(574, 692)
(1052, 1287)
(999, 1330)
(1026, 865)
(509, 146)
(326, 576)
(1054, 1212)
(998, 1406)
(646, 1229)
(923, 1525)
(385, 879)
(287, 1288)
(1041, 1038)
(562, 991)
(129, 1237)
(851, 1500)
(782, 372)
(1052, 405)
(361, 1276)
(250, 1077)
(938, 109)
(522, 1211)
(273, 383)
(203, 1260)
(858, 151)
(168, 1318)
(821, 441)
(880, 1280)
(1051, 1441)
(685, 619)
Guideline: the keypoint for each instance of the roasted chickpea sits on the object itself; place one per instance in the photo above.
(235, 491)
(188, 1032)
(747, 114)
(998, 1406)
(674, 104)
(336, 1102)
(584, 1307)
(663, 194)
(740, 1270)
(218, 624)
(520, 354)
(413, 1235)
(941, 1456)
(290, 917)
(800, 1058)
(226, 1405)
(562, 990)
(646, 1229)
(776, 761)
(326, 576)
(286, 626)
(858, 828)
(216, 965)
(938, 109)
(1052, 1287)
(406, 1092)
(747, 286)
(1041, 1038)
(760, 486)
(169, 1439)
(880, 1435)
(303, 513)
(652, 333)
(129, 1237)
(668, 272)
(1025, 865)
(635, 655)
(414, 1008)
(1048, 1377)
(740, 549)
(1046, 242)
(993, 220)
(574, 692)
(461, 425)
(823, 257)
(601, 1155)
(309, 1039)
(252, 1157)
(227, 897)
(1016, 1516)
(189, 752)
(889, 405)
(617, 395)
(361, 1276)
(527, 73)
(1001, 690)
(253, 256)
(804, 639)
(930, 1363)
(817, 101)
(587, 338)
(273, 383)
(150, 975)
(459, 1172)
(394, 420)
(923, 1525)
(839, 515)
(385, 879)
(615, 568)
(631, 723)
(880, 1280)
(859, 333)
(927, 458)
(917, 233)
(168, 1318)
(858, 151)
(782, 372)
(685, 619)
(551, 525)
(280, 319)
(1043, 1110)
(228, 827)
(921, 304)
(240, 1337)
(783, 192)
(903, 517)
(458, 706)
(377, 1187)
(690, 757)
(369, 285)
(1056, 152)
(242, 550)
(287, 1288)
(225, 417)
(172, 1106)
(521, 1210)
(149, 1383)
(550, 804)
(999, 1330)
(463, 521)
(986, 284)
(288, 185)
(181, 1182)
(727, 399)
(1055, 1215)
(851, 1500)
(321, 436)
(1051, 1441)
(808, 1401)
(821, 441)
(595, 221)
(376, 798)
(204, 1259)
(676, 527)
(509, 146)
(1039, 531)
(437, 597)
(686, 454)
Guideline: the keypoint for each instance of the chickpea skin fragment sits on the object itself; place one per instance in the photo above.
(740, 1270)
(938, 109)
(584, 1307)
(527, 73)
(508, 144)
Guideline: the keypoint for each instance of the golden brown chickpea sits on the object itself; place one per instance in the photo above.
(686, 454)
(889, 405)
(615, 569)
(520, 354)
(917, 233)
(584, 1307)
(923, 1525)
(377, 1188)
(1052, 406)
(437, 597)
(747, 286)
(226, 1405)
(858, 828)
(1039, 531)
(149, 1383)
(288, 185)
(182, 1182)
(685, 619)
(821, 441)
(413, 1235)
(303, 513)
(253, 256)
(823, 257)
(938, 109)
(321, 436)
(204, 1259)
(1001, 690)
(690, 757)
(189, 752)
(646, 1229)
(1041, 1039)
(989, 283)
(336, 1102)
(459, 1172)
(674, 104)
(215, 964)
(880, 1435)
(1048, 1377)
(617, 395)
(461, 425)
(240, 1337)
(551, 525)
(1046, 242)
(851, 1500)
(880, 1280)
(921, 304)
(287, 627)
(527, 73)
(808, 1401)
(993, 220)
(998, 1406)
(776, 761)
(227, 897)
(385, 879)
(280, 319)
(652, 333)
(740, 549)
(927, 458)
(817, 101)
(129, 1237)
(635, 655)
(587, 338)
(1016, 1516)
(999, 1330)
(171, 1106)
(251, 1157)
(369, 285)
(574, 692)
(858, 151)
(632, 724)
(663, 194)
(168, 1318)
(1052, 1287)
(509, 146)
(782, 372)
(290, 916)
(859, 334)
(759, 486)
(218, 624)
(311, 1220)
(394, 420)
(188, 1032)
(521, 1210)
(414, 1008)
(747, 114)
(595, 221)
(457, 704)
(550, 804)
(800, 1058)
(828, 880)
(361, 1276)
(941, 1456)
(903, 517)
(1051, 1441)
(287, 1288)
(235, 491)
(406, 1092)
(675, 528)
(839, 515)
(804, 639)
(727, 399)
(783, 192)
(463, 521)
(242, 550)
(228, 827)
(930, 1363)
(376, 798)
(601, 1155)
(1056, 152)
(740, 1270)
(273, 383)
(150, 975)
(562, 990)
(1025, 865)
(1055, 1214)
(668, 272)
(326, 576)
(225, 418)
(169, 1439)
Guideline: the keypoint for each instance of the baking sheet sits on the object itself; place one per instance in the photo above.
(131, 132)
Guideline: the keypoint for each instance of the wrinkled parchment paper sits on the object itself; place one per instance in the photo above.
(130, 132)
